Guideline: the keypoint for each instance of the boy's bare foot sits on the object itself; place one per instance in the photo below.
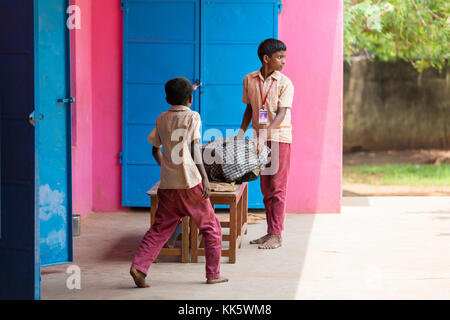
(261, 240)
(273, 242)
(139, 278)
(218, 280)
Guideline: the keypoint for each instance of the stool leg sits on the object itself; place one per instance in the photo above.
(245, 207)
(185, 239)
(233, 234)
(194, 241)
(240, 222)
(239, 217)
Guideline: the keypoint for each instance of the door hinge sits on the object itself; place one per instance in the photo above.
(122, 5)
(32, 120)
(280, 6)
(120, 157)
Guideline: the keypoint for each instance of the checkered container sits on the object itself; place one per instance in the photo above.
(233, 160)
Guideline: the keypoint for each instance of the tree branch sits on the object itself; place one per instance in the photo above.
(418, 12)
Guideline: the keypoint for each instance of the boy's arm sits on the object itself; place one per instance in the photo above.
(197, 157)
(285, 102)
(156, 152)
(245, 121)
(155, 140)
(281, 113)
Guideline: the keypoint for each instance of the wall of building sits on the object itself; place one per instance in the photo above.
(81, 69)
(392, 106)
(107, 59)
(312, 30)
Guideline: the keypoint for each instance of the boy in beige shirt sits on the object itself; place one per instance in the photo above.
(269, 94)
(184, 187)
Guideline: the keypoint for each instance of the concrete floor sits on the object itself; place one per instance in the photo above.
(377, 248)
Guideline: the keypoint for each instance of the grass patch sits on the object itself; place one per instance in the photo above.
(394, 174)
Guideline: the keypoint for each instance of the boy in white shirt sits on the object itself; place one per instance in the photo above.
(269, 94)
(184, 187)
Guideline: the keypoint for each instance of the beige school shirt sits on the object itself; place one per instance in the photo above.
(281, 95)
(175, 130)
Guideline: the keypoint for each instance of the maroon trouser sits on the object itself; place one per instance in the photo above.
(173, 204)
(274, 179)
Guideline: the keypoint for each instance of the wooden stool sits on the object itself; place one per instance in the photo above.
(184, 250)
(237, 200)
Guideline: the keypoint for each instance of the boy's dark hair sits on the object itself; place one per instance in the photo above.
(269, 47)
(178, 91)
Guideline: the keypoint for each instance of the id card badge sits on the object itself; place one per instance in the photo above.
(262, 116)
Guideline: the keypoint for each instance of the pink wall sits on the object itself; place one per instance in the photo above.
(107, 102)
(82, 111)
(313, 32)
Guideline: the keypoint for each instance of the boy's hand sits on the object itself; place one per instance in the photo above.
(196, 85)
(206, 189)
(156, 152)
(260, 142)
(240, 134)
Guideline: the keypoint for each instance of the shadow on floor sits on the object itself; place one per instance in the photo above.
(122, 249)
(348, 193)
(108, 241)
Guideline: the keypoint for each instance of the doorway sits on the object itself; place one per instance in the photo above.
(214, 42)
(36, 208)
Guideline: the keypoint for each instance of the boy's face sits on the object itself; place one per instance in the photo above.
(277, 61)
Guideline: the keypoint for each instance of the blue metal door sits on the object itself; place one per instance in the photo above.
(19, 235)
(231, 32)
(53, 132)
(161, 41)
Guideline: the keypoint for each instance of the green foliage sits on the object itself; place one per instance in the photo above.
(417, 31)
(395, 174)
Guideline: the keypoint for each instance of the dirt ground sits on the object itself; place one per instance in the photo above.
(416, 157)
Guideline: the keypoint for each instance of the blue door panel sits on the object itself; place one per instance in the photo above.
(239, 21)
(162, 20)
(254, 195)
(139, 150)
(138, 176)
(237, 60)
(162, 61)
(19, 245)
(161, 41)
(53, 133)
(148, 96)
(222, 111)
(231, 33)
